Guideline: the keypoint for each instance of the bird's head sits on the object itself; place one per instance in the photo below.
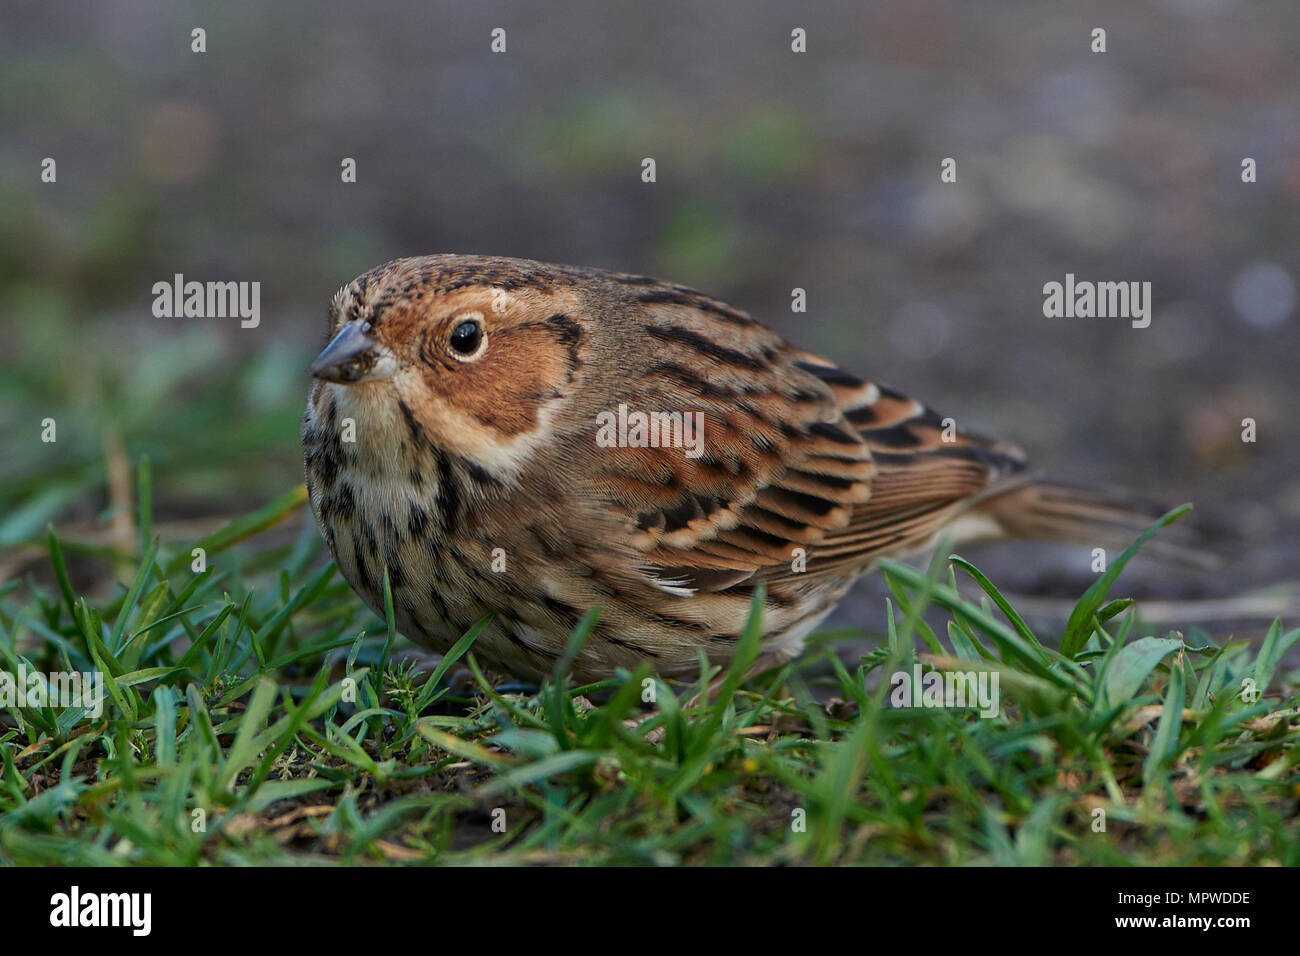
(476, 354)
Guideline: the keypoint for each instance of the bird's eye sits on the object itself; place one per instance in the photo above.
(467, 339)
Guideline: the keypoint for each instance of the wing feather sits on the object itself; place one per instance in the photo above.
(797, 454)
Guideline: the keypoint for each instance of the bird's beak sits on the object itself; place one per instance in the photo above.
(354, 356)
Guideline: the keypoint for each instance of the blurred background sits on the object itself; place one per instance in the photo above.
(775, 170)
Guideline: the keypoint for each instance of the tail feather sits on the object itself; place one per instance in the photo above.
(1050, 511)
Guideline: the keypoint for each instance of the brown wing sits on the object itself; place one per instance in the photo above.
(796, 453)
(927, 472)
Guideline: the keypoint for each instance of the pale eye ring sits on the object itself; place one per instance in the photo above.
(467, 339)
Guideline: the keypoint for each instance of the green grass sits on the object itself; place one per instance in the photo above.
(257, 713)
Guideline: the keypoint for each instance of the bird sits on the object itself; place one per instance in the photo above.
(522, 442)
